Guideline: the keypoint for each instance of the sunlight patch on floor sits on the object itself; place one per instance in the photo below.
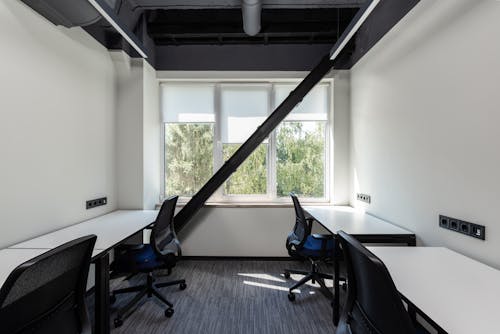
(263, 276)
(269, 286)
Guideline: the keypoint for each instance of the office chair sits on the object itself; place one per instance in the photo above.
(373, 302)
(46, 294)
(314, 247)
(160, 253)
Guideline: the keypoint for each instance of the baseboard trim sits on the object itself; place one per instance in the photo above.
(239, 258)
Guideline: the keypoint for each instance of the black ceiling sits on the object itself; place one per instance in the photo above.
(167, 23)
(294, 35)
(224, 26)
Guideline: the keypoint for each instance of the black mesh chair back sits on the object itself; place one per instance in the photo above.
(373, 305)
(163, 237)
(47, 293)
(301, 229)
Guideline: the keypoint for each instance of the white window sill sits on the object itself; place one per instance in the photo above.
(252, 205)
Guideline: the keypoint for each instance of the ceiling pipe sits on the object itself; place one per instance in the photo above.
(251, 10)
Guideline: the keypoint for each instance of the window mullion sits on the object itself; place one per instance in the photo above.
(218, 156)
(271, 166)
(163, 165)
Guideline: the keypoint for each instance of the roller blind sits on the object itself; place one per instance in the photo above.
(314, 107)
(243, 109)
(187, 103)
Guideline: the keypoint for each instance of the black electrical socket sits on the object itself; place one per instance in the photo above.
(463, 227)
(96, 202)
(444, 221)
(478, 231)
(453, 224)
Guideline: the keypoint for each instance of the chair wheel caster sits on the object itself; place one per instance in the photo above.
(286, 274)
(112, 299)
(183, 286)
(169, 312)
(291, 296)
(118, 322)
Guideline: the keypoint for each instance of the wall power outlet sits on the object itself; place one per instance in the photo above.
(463, 227)
(364, 198)
(96, 202)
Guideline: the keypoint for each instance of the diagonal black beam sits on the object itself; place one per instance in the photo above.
(383, 18)
(230, 166)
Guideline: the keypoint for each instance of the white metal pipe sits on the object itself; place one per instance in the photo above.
(251, 10)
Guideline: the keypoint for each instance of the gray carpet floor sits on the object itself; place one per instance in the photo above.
(231, 297)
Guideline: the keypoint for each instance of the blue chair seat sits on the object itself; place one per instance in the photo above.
(312, 247)
(138, 260)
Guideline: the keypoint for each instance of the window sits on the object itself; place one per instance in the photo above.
(189, 137)
(300, 144)
(205, 123)
(243, 109)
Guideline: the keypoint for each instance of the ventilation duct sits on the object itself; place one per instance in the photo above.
(251, 16)
(74, 13)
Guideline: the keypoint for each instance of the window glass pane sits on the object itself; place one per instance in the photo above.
(188, 103)
(243, 109)
(300, 159)
(251, 177)
(313, 107)
(188, 157)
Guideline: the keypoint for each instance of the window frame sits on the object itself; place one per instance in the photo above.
(271, 197)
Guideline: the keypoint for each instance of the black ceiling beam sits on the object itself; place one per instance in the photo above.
(242, 35)
(230, 166)
(159, 29)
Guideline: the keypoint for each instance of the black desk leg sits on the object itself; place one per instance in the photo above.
(102, 295)
(412, 241)
(336, 282)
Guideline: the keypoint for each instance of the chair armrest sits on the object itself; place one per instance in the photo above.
(322, 236)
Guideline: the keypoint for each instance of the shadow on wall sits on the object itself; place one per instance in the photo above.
(433, 17)
(24, 19)
(198, 219)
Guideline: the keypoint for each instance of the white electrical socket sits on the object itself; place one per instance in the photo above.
(364, 198)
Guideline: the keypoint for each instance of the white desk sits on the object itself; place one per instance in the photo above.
(458, 294)
(11, 258)
(111, 229)
(347, 219)
(364, 227)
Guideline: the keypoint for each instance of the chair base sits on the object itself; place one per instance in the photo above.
(314, 276)
(149, 289)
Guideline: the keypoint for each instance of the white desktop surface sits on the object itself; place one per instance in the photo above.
(12, 258)
(349, 220)
(110, 229)
(460, 294)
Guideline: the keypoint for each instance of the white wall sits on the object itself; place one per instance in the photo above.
(151, 139)
(341, 140)
(425, 116)
(138, 133)
(129, 122)
(57, 126)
